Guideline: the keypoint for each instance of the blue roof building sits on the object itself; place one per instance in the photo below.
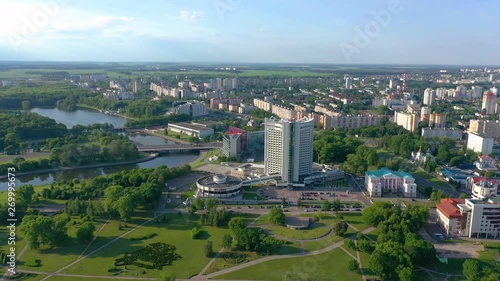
(385, 181)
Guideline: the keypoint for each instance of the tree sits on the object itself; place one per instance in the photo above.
(490, 174)
(340, 228)
(208, 249)
(41, 229)
(336, 205)
(463, 195)
(406, 274)
(26, 104)
(227, 241)
(471, 270)
(125, 207)
(365, 246)
(350, 244)
(235, 225)
(25, 193)
(353, 265)
(326, 206)
(387, 258)
(86, 232)
(277, 216)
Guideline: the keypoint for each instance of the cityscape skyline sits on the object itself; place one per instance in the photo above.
(237, 31)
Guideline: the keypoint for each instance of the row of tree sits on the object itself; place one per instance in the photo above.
(398, 246)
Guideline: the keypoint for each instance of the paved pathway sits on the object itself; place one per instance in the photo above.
(269, 258)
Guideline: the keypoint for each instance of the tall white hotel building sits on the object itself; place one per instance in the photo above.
(289, 148)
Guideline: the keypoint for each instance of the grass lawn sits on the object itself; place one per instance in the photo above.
(365, 262)
(53, 259)
(263, 219)
(315, 230)
(252, 196)
(5, 194)
(220, 263)
(180, 136)
(292, 248)
(454, 266)
(252, 188)
(355, 219)
(430, 178)
(204, 160)
(320, 244)
(176, 232)
(186, 194)
(317, 267)
(29, 156)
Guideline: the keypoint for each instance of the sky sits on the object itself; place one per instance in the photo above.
(252, 31)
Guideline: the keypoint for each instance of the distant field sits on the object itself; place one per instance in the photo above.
(113, 74)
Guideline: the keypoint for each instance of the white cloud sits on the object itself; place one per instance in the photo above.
(92, 23)
(191, 16)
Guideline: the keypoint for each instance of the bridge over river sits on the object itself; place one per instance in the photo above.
(177, 147)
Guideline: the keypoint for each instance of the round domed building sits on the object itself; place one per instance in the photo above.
(219, 186)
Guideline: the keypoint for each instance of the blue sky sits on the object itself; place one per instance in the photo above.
(283, 31)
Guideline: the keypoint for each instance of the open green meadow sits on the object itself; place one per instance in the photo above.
(327, 266)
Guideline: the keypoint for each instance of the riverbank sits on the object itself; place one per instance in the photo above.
(93, 166)
(101, 111)
(176, 140)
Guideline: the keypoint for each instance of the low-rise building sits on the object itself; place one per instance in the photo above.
(190, 129)
(485, 163)
(475, 218)
(385, 181)
(449, 216)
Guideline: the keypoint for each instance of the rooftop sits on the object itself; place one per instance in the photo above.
(449, 208)
(386, 172)
(209, 181)
(190, 126)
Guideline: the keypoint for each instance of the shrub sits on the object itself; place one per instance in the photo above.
(349, 243)
(144, 237)
(195, 233)
(33, 262)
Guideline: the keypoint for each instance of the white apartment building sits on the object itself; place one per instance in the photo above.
(480, 143)
(485, 127)
(191, 108)
(489, 102)
(385, 181)
(455, 134)
(408, 120)
(118, 95)
(288, 149)
(261, 104)
(348, 121)
(473, 218)
(429, 97)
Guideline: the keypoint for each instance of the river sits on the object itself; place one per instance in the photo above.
(87, 117)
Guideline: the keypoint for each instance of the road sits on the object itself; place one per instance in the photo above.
(423, 182)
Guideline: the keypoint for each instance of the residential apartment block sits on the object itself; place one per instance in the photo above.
(480, 143)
